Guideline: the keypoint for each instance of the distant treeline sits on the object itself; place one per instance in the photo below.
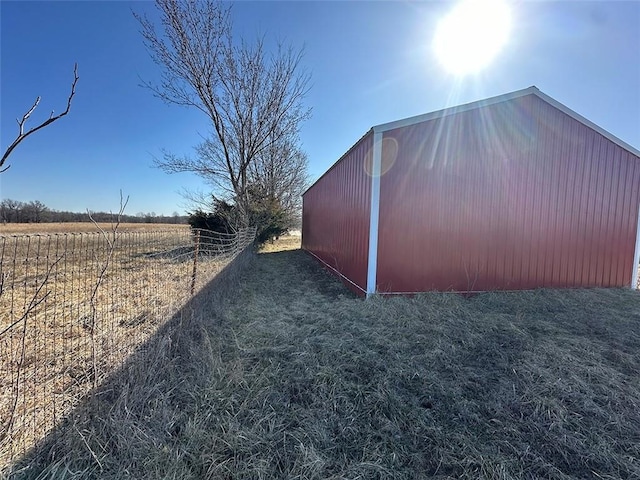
(13, 211)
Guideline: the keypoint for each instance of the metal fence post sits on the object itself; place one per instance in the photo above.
(195, 263)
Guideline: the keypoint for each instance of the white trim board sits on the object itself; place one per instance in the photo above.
(374, 215)
(635, 277)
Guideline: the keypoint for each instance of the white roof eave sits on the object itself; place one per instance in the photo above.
(384, 127)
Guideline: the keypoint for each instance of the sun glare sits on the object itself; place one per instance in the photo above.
(471, 35)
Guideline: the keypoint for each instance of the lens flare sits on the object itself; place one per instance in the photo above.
(389, 155)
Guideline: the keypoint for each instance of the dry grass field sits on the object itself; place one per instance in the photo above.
(77, 227)
(284, 243)
(74, 309)
(283, 373)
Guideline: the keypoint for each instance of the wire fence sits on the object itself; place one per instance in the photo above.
(74, 306)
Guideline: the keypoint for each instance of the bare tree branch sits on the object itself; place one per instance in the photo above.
(36, 300)
(253, 99)
(21, 123)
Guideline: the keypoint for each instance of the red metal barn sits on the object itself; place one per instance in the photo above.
(511, 192)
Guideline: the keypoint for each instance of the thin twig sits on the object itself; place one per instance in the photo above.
(21, 133)
(34, 300)
(111, 242)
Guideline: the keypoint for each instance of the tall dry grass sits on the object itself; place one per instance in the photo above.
(283, 373)
(75, 307)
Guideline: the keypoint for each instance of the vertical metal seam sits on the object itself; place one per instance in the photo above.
(635, 278)
(372, 263)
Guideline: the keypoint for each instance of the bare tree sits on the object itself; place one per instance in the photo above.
(52, 118)
(280, 172)
(34, 212)
(11, 210)
(254, 100)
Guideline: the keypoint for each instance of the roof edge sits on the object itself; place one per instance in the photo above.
(576, 116)
(533, 90)
(370, 131)
(455, 109)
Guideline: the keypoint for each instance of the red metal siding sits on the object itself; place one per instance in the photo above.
(513, 195)
(335, 214)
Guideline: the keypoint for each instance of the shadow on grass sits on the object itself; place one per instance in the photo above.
(159, 376)
(324, 281)
(285, 373)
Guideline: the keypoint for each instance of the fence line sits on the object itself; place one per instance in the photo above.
(74, 306)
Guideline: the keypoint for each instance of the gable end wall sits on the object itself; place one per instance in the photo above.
(513, 195)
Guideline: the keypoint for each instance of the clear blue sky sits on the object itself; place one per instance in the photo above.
(371, 63)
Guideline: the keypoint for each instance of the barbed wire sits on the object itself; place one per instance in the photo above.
(74, 306)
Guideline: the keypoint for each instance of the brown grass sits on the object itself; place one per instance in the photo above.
(74, 337)
(285, 374)
(284, 243)
(76, 227)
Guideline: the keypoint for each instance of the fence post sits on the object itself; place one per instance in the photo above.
(195, 263)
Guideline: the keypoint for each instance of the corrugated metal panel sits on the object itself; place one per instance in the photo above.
(335, 214)
(513, 195)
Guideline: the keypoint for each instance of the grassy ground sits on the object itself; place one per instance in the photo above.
(285, 243)
(283, 373)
